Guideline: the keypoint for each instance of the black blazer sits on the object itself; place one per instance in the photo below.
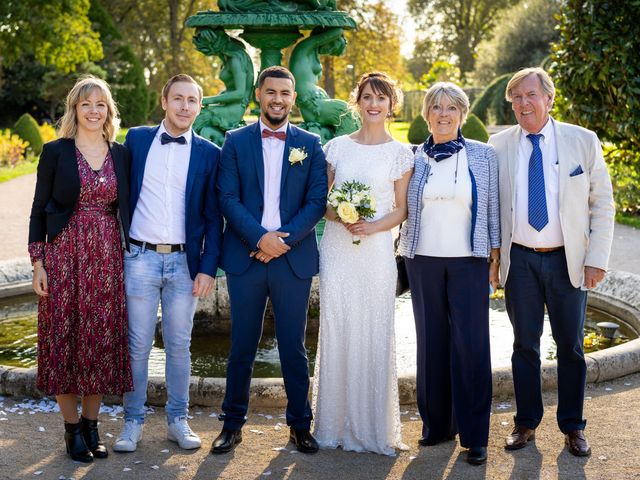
(58, 189)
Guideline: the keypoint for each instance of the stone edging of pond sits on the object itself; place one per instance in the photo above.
(618, 295)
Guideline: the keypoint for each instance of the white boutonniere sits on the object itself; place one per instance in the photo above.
(297, 155)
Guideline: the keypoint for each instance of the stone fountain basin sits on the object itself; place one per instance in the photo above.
(618, 295)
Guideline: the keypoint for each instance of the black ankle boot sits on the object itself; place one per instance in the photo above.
(92, 438)
(76, 446)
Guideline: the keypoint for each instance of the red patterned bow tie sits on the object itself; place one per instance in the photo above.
(269, 133)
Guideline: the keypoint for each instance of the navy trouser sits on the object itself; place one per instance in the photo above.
(535, 280)
(451, 308)
(289, 295)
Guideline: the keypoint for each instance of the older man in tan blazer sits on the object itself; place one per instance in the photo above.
(557, 215)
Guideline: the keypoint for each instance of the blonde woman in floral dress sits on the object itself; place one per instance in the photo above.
(80, 215)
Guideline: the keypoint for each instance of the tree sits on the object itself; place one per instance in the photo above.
(458, 26)
(54, 32)
(375, 45)
(522, 38)
(157, 34)
(123, 69)
(596, 69)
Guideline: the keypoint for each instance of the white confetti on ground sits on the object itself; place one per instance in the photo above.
(293, 451)
(110, 435)
(267, 473)
(412, 457)
(627, 384)
(38, 472)
(608, 389)
(62, 477)
(282, 416)
(405, 412)
(198, 413)
(41, 429)
(587, 398)
(413, 418)
(503, 405)
(183, 467)
(137, 462)
(213, 415)
(166, 450)
(279, 449)
(268, 417)
(4, 419)
(126, 469)
(257, 432)
(504, 423)
(602, 457)
(155, 467)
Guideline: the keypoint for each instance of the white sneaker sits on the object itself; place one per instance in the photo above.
(179, 431)
(129, 437)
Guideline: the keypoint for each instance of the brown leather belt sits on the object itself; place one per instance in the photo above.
(538, 250)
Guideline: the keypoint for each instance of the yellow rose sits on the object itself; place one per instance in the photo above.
(347, 212)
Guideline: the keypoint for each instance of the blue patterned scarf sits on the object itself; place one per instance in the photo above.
(442, 151)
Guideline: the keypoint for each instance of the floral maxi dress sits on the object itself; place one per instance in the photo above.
(82, 323)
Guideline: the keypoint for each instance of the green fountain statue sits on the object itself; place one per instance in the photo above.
(325, 116)
(224, 111)
(271, 26)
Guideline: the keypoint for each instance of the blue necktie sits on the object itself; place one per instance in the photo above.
(538, 217)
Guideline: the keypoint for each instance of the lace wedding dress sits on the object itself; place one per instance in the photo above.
(355, 387)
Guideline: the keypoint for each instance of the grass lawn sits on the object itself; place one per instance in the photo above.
(7, 173)
(626, 219)
(399, 131)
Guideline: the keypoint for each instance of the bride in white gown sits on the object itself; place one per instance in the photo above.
(355, 387)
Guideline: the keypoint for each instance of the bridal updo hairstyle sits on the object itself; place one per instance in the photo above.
(381, 83)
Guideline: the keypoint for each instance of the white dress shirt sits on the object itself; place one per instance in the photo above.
(272, 156)
(445, 220)
(159, 217)
(523, 233)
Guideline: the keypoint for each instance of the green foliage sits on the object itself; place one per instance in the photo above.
(124, 71)
(27, 129)
(458, 25)
(418, 130)
(440, 71)
(491, 107)
(55, 32)
(522, 38)
(474, 129)
(596, 68)
(624, 168)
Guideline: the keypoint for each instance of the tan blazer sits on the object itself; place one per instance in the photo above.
(586, 200)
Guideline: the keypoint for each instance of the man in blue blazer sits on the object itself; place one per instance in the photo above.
(272, 188)
(175, 238)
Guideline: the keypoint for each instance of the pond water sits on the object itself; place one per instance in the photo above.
(18, 339)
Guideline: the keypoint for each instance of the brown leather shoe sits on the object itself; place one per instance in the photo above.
(519, 437)
(577, 443)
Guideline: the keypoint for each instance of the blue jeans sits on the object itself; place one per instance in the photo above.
(151, 278)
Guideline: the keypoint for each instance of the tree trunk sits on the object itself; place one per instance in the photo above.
(328, 76)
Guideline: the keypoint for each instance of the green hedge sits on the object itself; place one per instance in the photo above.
(27, 129)
(474, 129)
(418, 130)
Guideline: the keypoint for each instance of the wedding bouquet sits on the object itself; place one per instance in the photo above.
(353, 201)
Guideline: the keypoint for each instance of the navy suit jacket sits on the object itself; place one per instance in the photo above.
(303, 198)
(203, 222)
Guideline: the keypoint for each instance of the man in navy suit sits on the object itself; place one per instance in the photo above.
(175, 238)
(272, 187)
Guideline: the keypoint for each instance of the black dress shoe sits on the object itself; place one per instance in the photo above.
(477, 455)
(226, 441)
(92, 438)
(303, 440)
(76, 446)
(430, 442)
